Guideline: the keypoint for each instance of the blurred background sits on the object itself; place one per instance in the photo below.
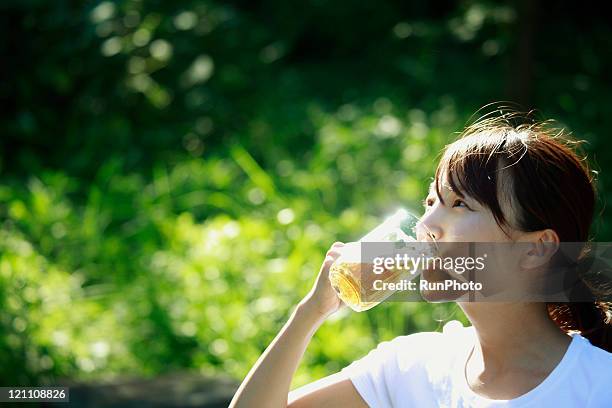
(172, 173)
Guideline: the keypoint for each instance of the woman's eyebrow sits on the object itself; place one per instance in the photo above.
(450, 188)
(446, 186)
(433, 189)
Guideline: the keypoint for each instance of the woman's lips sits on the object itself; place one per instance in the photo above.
(434, 274)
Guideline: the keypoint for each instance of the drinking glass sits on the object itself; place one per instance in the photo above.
(348, 275)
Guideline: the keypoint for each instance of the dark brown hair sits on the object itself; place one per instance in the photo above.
(535, 167)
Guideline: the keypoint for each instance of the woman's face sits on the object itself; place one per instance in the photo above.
(456, 220)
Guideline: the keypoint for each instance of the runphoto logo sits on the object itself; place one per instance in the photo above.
(413, 264)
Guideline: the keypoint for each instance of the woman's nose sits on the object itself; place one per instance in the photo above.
(427, 231)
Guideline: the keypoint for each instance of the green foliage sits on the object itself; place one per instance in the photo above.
(172, 174)
(199, 266)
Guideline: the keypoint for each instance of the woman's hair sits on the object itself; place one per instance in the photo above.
(505, 156)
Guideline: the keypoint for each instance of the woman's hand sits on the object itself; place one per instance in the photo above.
(322, 298)
(267, 384)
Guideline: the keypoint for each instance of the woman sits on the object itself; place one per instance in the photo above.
(496, 183)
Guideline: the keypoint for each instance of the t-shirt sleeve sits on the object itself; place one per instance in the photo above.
(371, 375)
(401, 371)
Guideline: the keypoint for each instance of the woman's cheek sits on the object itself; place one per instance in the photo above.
(476, 228)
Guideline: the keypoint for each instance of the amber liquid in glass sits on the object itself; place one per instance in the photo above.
(354, 281)
(345, 278)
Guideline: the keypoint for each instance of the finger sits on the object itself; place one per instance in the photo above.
(332, 253)
(329, 260)
(337, 244)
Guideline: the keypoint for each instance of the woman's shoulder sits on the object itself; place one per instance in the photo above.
(428, 348)
(417, 352)
(420, 348)
(453, 333)
(408, 366)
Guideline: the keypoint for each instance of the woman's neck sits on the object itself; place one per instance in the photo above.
(517, 346)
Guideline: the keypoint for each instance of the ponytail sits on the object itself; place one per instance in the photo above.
(589, 310)
(592, 320)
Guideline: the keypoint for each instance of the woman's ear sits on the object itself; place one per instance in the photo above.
(540, 246)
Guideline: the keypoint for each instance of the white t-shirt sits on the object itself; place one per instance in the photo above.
(427, 370)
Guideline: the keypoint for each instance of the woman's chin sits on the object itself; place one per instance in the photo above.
(434, 295)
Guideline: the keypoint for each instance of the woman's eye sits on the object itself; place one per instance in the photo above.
(460, 203)
(428, 202)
